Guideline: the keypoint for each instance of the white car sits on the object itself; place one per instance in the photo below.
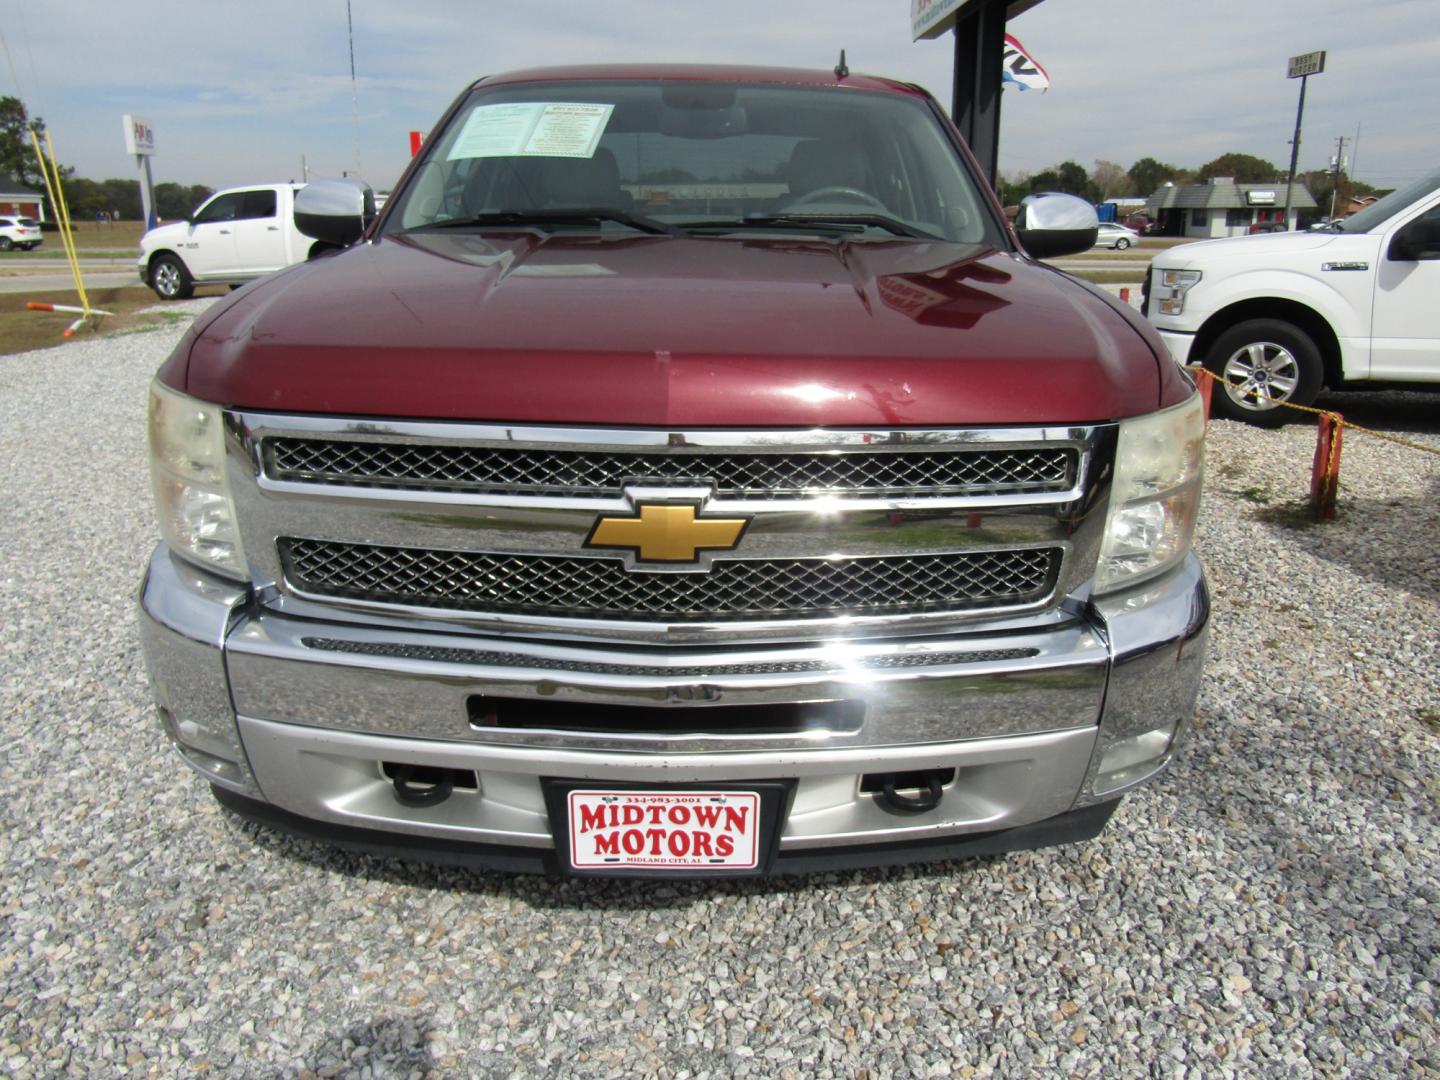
(1116, 236)
(19, 232)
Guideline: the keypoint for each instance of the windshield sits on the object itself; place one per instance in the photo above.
(698, 156)
(1380, 211)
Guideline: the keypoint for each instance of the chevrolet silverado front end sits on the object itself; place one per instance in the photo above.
(719, 523)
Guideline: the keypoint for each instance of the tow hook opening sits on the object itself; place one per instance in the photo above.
(426, 785)
(908, 792)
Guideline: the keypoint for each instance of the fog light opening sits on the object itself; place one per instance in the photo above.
(1132, 758)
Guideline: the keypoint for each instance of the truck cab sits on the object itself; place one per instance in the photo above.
(234, 236)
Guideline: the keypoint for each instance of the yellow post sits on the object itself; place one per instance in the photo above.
(62, 215)
(69, 228)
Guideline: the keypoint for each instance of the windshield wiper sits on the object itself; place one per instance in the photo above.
(544, 219)
(843, 223)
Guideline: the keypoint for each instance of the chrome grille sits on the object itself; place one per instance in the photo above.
(732, 589)
(438, 467)
(491, 658)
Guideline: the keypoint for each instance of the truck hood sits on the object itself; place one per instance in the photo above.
(165, 235)
(1268, 247)
(660, 331)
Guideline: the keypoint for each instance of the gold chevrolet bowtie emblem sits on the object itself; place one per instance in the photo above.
(667, 532)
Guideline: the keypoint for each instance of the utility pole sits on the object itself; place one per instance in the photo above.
(354, 94)
(1338, 167)
(1301, 67)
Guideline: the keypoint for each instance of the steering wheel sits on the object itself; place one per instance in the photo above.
(848, 194)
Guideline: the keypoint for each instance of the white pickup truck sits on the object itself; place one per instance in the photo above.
(233, 237)
(1282, 316)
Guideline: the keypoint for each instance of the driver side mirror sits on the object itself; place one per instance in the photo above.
(334, 211)
(1053, 223)
(1417, 241)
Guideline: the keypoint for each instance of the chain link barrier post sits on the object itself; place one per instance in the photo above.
(1325, 473)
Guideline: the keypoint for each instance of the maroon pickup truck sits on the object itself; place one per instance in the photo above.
(690, 472)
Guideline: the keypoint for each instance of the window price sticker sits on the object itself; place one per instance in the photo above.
(536, 129)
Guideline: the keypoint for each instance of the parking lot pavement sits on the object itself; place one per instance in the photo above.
(1268, 908)
(54, 279)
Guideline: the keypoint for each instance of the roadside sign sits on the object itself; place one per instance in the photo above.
(139, 136)
(931, 18)
(1311, 63)
(140, 141)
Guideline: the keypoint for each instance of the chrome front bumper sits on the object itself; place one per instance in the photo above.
(300, 714)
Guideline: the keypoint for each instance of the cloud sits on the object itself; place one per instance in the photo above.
(237, 92)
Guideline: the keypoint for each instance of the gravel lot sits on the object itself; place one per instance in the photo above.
(1268, 908)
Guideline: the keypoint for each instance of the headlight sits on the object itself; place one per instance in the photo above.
(187, 471)
(1154, 495)
(1171, 287)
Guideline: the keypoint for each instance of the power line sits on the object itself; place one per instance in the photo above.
(13, 74)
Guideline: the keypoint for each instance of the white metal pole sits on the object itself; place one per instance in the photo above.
(147, 191)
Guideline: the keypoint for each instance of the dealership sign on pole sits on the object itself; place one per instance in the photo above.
(1301, 67)
(931, 18)
(139, 135)
(1310, 63)
(140, 141)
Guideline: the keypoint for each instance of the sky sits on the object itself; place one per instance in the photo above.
(239, 92)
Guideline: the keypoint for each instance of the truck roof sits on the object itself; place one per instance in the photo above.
(735, 73)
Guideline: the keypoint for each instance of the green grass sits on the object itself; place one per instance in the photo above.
(57, 252)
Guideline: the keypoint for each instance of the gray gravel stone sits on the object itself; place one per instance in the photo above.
(1269, 908)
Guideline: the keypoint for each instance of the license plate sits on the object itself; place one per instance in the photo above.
(663, 829)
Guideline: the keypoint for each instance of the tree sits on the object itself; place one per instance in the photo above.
(1013, 188)
(17, 151)
(1069, 177)
(123, 196)
(1242, 168)
(175, 201)
(1148, 175)
(1112, 180)
(85, 198)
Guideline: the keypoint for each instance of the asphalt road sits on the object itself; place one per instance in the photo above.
(54, 281)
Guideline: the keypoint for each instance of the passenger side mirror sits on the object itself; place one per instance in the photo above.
(334, 211)
(1052, 223)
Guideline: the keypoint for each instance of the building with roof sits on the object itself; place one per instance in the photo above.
(18, 200)
(1358, 203)
(1224, 208)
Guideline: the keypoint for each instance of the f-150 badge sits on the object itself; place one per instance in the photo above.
(666, 533)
